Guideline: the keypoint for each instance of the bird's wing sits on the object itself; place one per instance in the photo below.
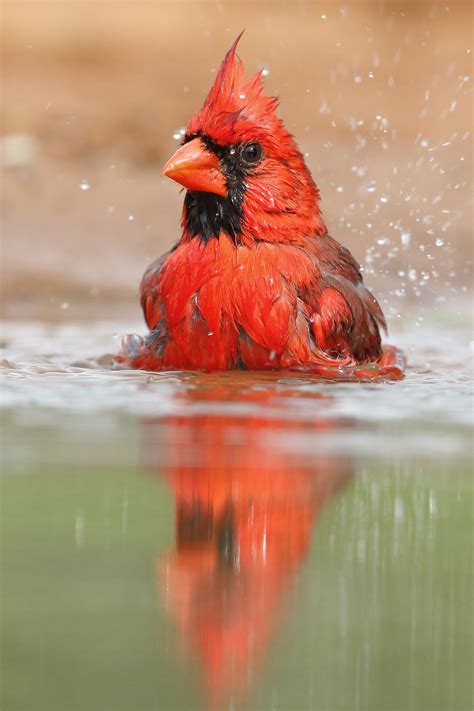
(303, 307)
(346, 317)
(151, 303)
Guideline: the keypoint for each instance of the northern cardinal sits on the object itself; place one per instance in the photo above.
(255, 281)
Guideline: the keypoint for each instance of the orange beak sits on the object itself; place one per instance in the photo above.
(196, 168)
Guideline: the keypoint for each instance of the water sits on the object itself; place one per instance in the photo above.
(234, 541)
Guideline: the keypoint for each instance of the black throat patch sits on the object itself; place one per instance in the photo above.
(206, 214)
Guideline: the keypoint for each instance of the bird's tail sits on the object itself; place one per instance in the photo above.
(135, 353)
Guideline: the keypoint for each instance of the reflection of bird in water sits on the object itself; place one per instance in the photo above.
(245, 508)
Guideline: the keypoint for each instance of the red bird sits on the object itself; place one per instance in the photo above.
(255, 281)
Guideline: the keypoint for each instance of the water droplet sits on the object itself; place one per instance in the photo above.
(324, 107)
(340, 189)
(357, 79)
(371, 187)
(84, 184)
(412, 275)
(65, 305)
(131, 218)
(439, 242)
(242, 96)
(179, 133)
(210, 333)
(385, 199)
(405, 238)
(265, 72)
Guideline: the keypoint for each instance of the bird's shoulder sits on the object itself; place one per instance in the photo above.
(334, 258)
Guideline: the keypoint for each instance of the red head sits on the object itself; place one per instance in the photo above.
(244, 173)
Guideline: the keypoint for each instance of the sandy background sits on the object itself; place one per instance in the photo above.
(378, 95)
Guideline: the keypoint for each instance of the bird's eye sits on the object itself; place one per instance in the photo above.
(252, 153)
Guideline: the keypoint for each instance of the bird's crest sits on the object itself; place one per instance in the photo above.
(234, 101)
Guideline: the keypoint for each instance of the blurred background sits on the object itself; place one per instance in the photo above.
(377, 93)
